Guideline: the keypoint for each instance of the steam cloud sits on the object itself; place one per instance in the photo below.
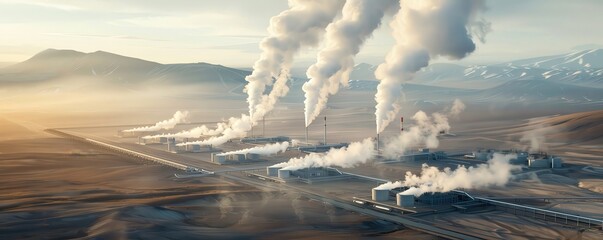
(425, 132)
(424, 30)
(179, 117)
(356, 153)
(536, 138)
(497, 172)
(344, 38)
(237, 128)
(197, 131)
(267, 149)
(457, 108)
(300, 26)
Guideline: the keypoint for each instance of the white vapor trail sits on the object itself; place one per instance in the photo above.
(237, 128)
(343, 40)
(356, 153)
(424, 30)
(179, 117)
(424, 133)
(496, 172)
(197, 131)
(267, 149)
(301, 25)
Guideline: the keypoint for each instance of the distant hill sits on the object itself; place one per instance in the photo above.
(55, 64)
(583, 68)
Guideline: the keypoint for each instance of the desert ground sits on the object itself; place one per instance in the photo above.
(53, 188)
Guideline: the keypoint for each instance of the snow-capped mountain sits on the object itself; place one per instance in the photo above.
(582, 68)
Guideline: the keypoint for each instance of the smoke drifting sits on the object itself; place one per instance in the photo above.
(424, 30)
(197, 131)
(424, 133)
(300, 26)
(356, 153)
(497, 172)
(344, 38)
(457, 108)
(267, 149)
(237, 128)
(179, 117)
(536, 138)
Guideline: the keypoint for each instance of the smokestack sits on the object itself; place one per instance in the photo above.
(325, 138)
(307, 135)
(401, 124)
(263, 126)
(377, 143)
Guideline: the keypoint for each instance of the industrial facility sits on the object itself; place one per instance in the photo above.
(221, 159)
(265, 139)
(409, 200)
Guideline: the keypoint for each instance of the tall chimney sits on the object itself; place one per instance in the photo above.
(325, 138)
(307, 135)
(263, 126)
(377, 143)
(401, 124)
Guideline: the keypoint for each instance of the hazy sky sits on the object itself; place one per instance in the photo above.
(228, 31)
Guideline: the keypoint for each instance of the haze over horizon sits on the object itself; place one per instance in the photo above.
(205, 31)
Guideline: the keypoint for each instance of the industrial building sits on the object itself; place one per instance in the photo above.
(322, 148)
(543, 160)
(409, 200)
(265, 139)
(306, 175)
(220, 158)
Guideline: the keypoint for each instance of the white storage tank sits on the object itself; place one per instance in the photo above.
(282, 173)
(272, 171)
(404, 200)
(217, 158)
(237, 157)
(380, 195)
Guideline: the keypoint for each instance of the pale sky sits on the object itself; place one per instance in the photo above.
(227, 32)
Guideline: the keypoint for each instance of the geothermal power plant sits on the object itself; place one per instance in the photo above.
(330, 172)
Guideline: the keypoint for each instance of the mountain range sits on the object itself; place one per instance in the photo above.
(574, 78)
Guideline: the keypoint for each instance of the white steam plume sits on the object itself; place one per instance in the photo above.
(424, 133)
(457, 108)
(424, 30)
(179, 117)
(300, 26)
(497, 172)
(537, 138)
(197, 131)
(267, 149)
(238, 128)
(343, 40)
(356, 153)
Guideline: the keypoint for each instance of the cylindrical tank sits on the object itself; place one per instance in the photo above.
(272, 171)
(404, 200)
(239, 157)
(380, 195)
(282, 173)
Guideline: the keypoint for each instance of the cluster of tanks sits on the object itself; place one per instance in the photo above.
(532, 160)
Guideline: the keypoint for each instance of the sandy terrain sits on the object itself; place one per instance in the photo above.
(53, 188)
